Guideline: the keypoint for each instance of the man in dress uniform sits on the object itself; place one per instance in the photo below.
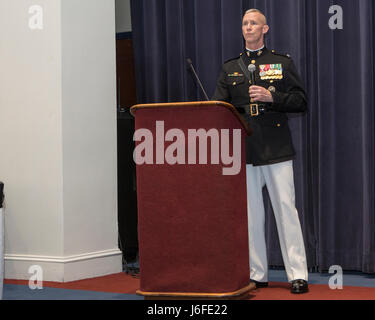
(269, 151)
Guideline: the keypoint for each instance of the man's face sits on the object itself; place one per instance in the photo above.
(254, 28)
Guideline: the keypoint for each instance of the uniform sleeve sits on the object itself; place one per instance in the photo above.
(294, 99)
(221, 91)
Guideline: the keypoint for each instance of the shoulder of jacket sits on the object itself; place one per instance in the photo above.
(285, 55)
(233, 59)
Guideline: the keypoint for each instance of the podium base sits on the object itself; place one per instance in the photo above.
(188, 295)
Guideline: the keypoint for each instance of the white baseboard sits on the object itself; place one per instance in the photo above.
(64, 269)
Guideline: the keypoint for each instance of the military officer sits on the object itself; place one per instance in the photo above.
(269, 151)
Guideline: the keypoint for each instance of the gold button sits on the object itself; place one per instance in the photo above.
(271, 81)
(234, 83)
(253, 61)
(279, 125)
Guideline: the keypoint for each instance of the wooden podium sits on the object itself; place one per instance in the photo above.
(192, 218)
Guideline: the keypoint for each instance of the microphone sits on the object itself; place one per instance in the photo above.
(253, 106)
(190, 63)
(252, 69)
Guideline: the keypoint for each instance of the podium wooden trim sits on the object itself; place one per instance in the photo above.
(230, 107)
(234, 294)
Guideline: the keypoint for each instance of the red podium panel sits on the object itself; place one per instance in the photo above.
(192, 219)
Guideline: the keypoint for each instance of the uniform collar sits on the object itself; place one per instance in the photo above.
(255, 50)
(256, 53)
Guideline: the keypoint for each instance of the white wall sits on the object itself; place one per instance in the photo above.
(123, 16)
(58, 139)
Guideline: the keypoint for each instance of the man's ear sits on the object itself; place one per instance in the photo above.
(266, 28)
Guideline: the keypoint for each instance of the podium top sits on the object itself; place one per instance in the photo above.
(194, 104)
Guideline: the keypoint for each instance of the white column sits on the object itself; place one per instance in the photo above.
(58, 138)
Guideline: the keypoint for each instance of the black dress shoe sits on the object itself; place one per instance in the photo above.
(260, 284)
(299, 286)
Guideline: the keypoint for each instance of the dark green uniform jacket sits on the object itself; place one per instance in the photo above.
(271, 140)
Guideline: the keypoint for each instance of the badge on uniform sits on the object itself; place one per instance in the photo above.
(236, 74)
(271, 71)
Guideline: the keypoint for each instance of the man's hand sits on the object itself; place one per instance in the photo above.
(260, 94)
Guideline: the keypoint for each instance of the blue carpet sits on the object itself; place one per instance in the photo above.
(21, 292)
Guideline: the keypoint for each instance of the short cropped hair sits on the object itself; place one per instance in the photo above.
(257, 11)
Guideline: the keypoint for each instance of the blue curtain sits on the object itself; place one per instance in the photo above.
(334, 169)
